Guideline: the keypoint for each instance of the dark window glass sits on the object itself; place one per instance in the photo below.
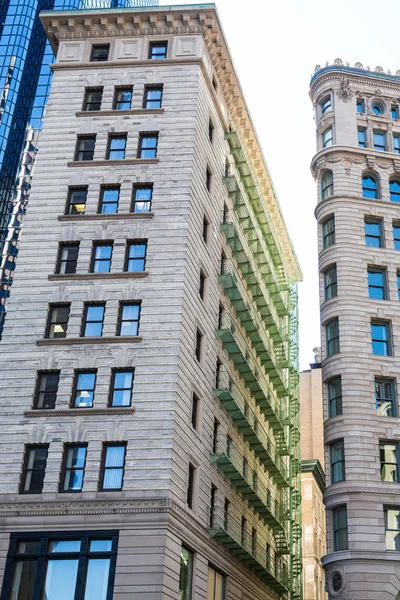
(195, 410)
(85, 384)
(369, 186)
(398, 284)
(93, 322)
(377, 284)
(113, 466)
(202, 285)
(212, 504)
(58, 321)
(214, 83)
(129, 319)
(328, 232)
(335, 396)
(386, 405)
(76, 203)
(199, 339)
(210, 131)
(327, 138)
(394, 186)
(396, 236)
(330, 282)
(326, 105)
(327, 185)
(332, 337)
(34, 469)
(360, 105)
(100, 53)
(185, 575)
(396, 144)
(116, 147)
(109, 198)
(337, 462)
(67, 259)
(392, 526)
(122, 387)
(373, 234)
(46, 390)
(123, 98)
(208, 179)
(158, 50)
(142, 197)
(74, 468)
(394, 111)
(93, 99)
(152, 96)
(136, 257)
(362, 137)
(148, 143)
(85, 147)
(205, 229)
(380, 333)
(102, 254)
(190, 485)
(339, 521)
(389, 455)
(377, 108)
(379, 141)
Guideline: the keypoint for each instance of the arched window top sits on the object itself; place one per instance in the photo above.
(377, 108)
(327, 184)
(370, 185)
(327, 137)
(326, 104)
(394, 187)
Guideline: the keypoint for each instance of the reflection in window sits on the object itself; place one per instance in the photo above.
(121, 388)
(394, 186)
(152, 96)
(102, 254)
(385, 397)
(58, 321)
(129, 319)
(328, 232)
(136, 257)
(392, 526)
(369, 186)
(109, 200)
(123, 98)
(327, 185)
(362, 137)
(389, 455)
(332, 337)
(377, 283)
(116, 147)
(373, 233)
(327, 138)
(76, 201)
(113, 466)
(142, 196)
(47, 388)
(380, 333)
(379, 141)
(158, 50)
(186, 575)
(34, 469)
(339, 521)
(326, 105)
(148, 143)
(335, 396)
(74, 468)
(84, 389)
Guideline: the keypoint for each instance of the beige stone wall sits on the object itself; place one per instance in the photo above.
(311, 416)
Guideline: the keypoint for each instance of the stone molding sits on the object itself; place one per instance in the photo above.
(361, 155)
(355, 78)
(113, 163)
(105, 217)
(119, 113)
(79, 276)
(75, 412)
(118, 339)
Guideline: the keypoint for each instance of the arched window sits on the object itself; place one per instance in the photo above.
(327, 138)
(370, 187)
(394, 186)
(377, 108)
(327, 185)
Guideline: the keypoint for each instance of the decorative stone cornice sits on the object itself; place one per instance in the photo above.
(353, 155)
(118, 339)
(105, 217)
(80, 412)
(314, 467)
(80, 276)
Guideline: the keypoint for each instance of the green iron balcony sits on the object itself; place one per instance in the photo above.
(246, 481)
(249, 550)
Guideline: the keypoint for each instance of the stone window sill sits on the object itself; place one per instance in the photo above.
(119, 113)
(79, 276)
(105, 163)
(74, 412)
(117, 339)
(106, 217)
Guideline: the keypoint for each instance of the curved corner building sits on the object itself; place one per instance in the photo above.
(357, 168)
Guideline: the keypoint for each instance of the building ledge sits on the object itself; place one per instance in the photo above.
(315, 467)
(118, 339)
(80, 276)
(75, 412)
(113, 163)
(106, 217)
(119, 113)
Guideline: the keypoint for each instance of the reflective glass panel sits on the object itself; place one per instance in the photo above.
(60, 581)
(97, 579)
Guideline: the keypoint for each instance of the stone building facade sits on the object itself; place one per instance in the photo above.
(151, 447)
(357, 169)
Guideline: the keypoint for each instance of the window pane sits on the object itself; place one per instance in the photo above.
(100, 545)
(60, 581)
(97, 579)
(24, 580)
(64, 546)
(185, 578)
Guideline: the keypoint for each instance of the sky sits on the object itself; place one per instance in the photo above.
(275, 45)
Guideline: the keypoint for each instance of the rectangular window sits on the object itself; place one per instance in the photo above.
(74, 468)
(330, 282)
(332, 337)
(199, 343)
(129, 318)
(148, 143)
(377, 284)
(396, 236)
(380, 334)
(212, 504)
(215, 435)
(93, 97)
(123, 98)
(394, 111)
(202, 285)
(362, 137)
(398, 284)
(109, 198)
(253, 541)
(101, 258)
(208, 179)
(205, 229)
(243, 533)
(339, 523)
(152, 96)
(85, 383)
(396, 144)
(328, 232)
(116, 147)
(34, 469)
(190, 485)
(335, 396)
(122, 387)
(360, 105)
(210, 131)
(100, 53)
(218, 366)
(142, 197)
(379, 141)
(57, 321)
(373, 233)
(46, 389)
(92, 325)
(67, 259)
(76, 203)
(337, 462)
(85, 147)
(327, 138)
(185, 575)
(195, 410)
(136, 256)
(158, 51)
(113, 467)
(389, 454)
(385, 395)
(392, 526)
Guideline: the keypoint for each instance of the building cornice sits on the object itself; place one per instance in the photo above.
(358, 156)
(314, 467)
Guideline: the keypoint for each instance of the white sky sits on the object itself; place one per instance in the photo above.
(275, 45)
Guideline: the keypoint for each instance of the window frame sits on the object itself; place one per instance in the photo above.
(205, 229)
(28, 448)
(199, 345)
(189, 589)
(362, 137)
(92, 90)
(112, 137)
(382, 134)
(60, 261)
(396, 464)
(330, 289)
(328, 237)
(136, 188)
(158, 44)
(80, 138)
(146, 100)
(69, 204)
(338, 445)
(380, 108)
(367, 190)
(117, 102)
(334, 341)
(381, 400)
(336, 530)
(130, 244)
(191, 486)
(75, 388)
(373, 270)
(195, 411)
(327, 188)
(85, 322)
(67, 447)
(396, 240)
(103, 190)
(386, 510)
(334, 400)
(211, 131)
(38, 391)
(380, 238)
(94, 260)
(388, 340)
(326, 104)
(122, 305)
(50, 322)
(394, 111)
(104, 468)
(113, 389)
(148, 135)
(394, 194)
(93, 51)
(327, 142)
(396, 144)
(360, 102)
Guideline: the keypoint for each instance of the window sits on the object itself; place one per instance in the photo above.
(398, 284)
(67, 259)
(328, 232)
(379, 141)
(205, 228)
(214, 83)
(327, 138)
(377, 283)
(93, 320)
(373, 233)
(334, 386)
(123, 98)
(218, 366)
(190, 485)
(385, 397)
(40, 566)
(34, 469)
(362, 137)
(185, 575)
(360, 105)
(158, 50)
(74, 468)
(195, 410)
(109, 198)
(339, 523)
(85, 383)
(243, 532)
(58, 321)
(326, 105)
(394, 186)
(152, 96)
(85, 147)
(129, 319)
(199, 343)
(215, 435)
(202, 285)
(327, 185)
(330, 282)
(380, 333)
(396, 144)
(337, 462)
(93, 98)
(113, 467)
(148, 143)
(389, 455)
(332, 337)
(76, 202)
(100, 53)
(46, 389)
(142, 197)
(394, 111)
(396, 236)
(392, 526)
(102, 254)
(208, 179)
(370, 186)
(122, 387)
(377, 108)
(210, 131)
(116, 147)
(136, 256)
